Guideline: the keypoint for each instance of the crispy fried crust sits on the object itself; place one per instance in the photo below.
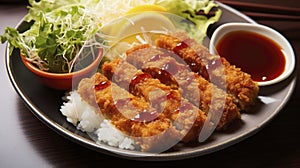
(158, 101)
(237, 82)
(160, 96)
(203, 94)
(154, 133)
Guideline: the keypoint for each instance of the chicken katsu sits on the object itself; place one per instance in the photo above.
(193, 87)
(164, 99)
(237, 83)
(170, 92)
(151, 130)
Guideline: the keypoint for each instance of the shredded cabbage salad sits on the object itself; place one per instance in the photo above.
(61, 28)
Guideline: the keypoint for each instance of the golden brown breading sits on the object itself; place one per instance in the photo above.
(203, 94)
(160, 96)
(143, 85)
(152, 131)
(237, 82)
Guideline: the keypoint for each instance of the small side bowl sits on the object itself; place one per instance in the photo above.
(63, 81)
(265, 31)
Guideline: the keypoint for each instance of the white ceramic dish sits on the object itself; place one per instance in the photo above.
(265, 31)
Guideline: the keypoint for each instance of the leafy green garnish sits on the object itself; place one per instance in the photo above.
(58, 32)
(60, 28)
(191, 9)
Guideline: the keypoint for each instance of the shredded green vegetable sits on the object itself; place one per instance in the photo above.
(56, 36)
(60, 28)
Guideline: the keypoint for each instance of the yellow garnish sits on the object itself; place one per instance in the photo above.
(146, 7)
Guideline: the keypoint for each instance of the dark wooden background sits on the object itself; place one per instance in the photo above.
(27, 142)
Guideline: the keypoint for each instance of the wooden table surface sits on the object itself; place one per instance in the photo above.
(26, 142)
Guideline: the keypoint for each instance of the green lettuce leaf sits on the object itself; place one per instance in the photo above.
(190, 10)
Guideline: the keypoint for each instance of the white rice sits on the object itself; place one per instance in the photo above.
(110, 135)
(87, 119)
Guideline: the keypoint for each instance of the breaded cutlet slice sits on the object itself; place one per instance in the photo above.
(131, 115)
(183, 114)
(213, 101)
(236, 82)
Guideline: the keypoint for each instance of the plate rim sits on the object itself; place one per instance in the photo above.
(136, 155)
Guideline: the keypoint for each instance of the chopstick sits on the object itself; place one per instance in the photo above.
(264, 11)
(269, 16)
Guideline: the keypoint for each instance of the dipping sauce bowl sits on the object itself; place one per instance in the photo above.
(257, 49)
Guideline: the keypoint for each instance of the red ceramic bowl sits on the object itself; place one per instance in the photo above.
(63, 81)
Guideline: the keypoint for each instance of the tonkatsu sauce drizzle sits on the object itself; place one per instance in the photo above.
(138, 79)
(171, 67)
(145, 116)
(157, 57)
(180, 46)
(102, 85)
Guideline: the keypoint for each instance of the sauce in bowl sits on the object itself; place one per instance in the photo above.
(253, 53)
(258, 50)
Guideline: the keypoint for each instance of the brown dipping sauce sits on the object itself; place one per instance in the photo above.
(255, 54)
